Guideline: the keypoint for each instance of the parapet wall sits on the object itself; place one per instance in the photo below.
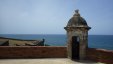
(100, 55)
(33, 52)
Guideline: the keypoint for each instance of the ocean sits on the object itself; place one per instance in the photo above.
(94, 41)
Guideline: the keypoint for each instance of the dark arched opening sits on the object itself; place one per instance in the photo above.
(75, 47)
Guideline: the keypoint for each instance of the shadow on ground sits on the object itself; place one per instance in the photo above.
(87, 62)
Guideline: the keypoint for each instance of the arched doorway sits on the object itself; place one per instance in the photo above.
(75, 47)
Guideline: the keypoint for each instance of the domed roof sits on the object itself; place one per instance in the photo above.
(77, 21)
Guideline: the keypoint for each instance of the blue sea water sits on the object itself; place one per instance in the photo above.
(94, 41)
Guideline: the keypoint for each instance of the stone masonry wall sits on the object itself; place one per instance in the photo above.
(100, 55)
(33, 52)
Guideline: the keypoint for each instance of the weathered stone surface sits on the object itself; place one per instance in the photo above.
(77, 21)
(20, 42)
(77, 26)
(100, 55)
(33, 52)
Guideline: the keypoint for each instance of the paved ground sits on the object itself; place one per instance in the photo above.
(44, 61)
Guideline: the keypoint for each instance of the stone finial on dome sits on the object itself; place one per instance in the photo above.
(76, 13)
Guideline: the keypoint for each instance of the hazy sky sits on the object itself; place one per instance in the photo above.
(51, 16)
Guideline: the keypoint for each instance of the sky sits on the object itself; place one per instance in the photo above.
(51, 16)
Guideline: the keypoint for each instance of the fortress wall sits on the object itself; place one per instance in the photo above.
(100, 55)
(33, 52)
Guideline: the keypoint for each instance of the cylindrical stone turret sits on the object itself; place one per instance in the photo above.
(77, 33)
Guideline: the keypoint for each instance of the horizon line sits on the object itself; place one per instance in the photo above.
(51, 34)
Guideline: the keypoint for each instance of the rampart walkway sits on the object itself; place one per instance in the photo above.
(44, 61)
